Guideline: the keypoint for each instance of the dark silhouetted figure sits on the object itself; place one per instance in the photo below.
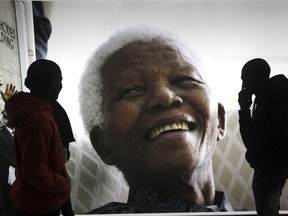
(42, 185)
(264, 131)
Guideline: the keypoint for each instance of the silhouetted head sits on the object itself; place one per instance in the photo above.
(254, 74)
(44, 78)
(256, 67)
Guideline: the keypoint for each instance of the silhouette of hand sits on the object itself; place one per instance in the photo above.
(9, 91)
(244, 99)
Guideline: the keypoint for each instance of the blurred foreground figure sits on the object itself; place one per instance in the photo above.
(150, 111)
(265, 132)
(7, 159)
(7, 165)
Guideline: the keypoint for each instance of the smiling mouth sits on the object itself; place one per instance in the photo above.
(182, 126)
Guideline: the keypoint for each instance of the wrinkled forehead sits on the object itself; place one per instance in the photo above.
(148, 54)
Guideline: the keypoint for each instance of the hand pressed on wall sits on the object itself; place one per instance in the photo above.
(9, 91)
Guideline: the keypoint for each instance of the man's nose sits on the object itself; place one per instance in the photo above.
(163, 97)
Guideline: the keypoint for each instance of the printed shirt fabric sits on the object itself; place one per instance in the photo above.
(145, 200)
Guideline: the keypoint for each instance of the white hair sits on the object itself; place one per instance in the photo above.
(91, 84)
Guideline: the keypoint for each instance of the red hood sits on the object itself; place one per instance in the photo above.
(21, 105)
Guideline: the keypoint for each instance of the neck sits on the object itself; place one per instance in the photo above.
(41, 97)
(262, 88)
(196, 187)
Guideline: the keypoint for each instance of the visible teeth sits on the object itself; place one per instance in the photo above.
(174, 126)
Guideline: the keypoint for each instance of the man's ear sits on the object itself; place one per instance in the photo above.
(221, 127)
(98, 142)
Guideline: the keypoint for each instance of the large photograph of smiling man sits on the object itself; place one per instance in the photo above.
(147, 103)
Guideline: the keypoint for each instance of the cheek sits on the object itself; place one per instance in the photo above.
(211, 128)
(201, 101)
(120, 120)
(206, 107)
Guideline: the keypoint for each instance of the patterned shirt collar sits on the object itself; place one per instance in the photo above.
(146, 200)
(157, 201)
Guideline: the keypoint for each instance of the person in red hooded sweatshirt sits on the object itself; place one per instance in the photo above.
(42, 184)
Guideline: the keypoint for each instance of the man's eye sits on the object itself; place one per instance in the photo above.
(186, 82)
(131, 93)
